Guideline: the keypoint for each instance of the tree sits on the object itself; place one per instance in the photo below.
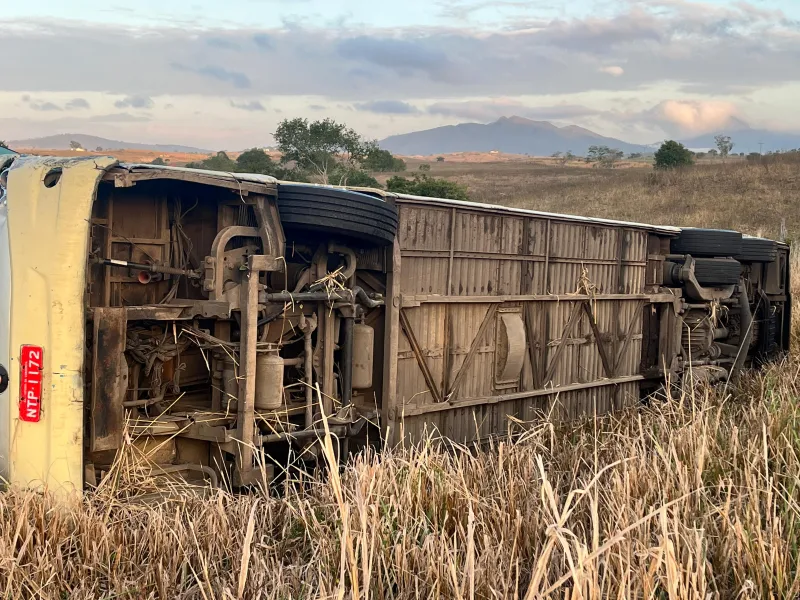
(604, 156)
(257, 161)
(440, 159)
(424, 167)
(75, 145)
(357, 178)
(323, 148)
(635, 155)
(382, 161)
(596, 153)
(712, 153)
(218, 162)
(423, 184)
(724, 144)
(98, 149)
(3, 144)
(672, 155)
(158, 161)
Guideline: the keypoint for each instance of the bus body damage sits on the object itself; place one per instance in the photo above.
(212, 320)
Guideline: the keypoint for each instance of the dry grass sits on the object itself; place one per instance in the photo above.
(695, 498)
(750, 197)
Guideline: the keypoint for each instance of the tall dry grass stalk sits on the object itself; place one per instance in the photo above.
(698, 498)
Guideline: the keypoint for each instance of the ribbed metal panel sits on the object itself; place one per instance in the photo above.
(567, 240)
(465, 321)
(537, 237)
(511, 241)
(601, 243)
(634, 246)
(422, 275)
(510, 277)
(476, 232)
(633, 278)
(422, 228)
(427, 322)
(485, 255)
(475, 277)
(533, 278)
(564, 277)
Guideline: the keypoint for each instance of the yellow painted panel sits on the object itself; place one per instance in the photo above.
(48, 236)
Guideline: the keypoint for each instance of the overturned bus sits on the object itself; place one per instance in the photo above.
(213, 319)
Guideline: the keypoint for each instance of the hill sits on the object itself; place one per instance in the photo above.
(90, 142)
(513, 135)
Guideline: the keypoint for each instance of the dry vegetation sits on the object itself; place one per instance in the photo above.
(695, 498)
(749, 197)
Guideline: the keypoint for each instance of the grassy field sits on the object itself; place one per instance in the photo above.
(752, 198)
(694, 498)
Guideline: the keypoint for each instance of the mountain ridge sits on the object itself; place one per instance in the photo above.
(513, 135)
(90, 142)
(519, 135)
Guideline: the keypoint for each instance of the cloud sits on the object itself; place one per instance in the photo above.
(404, 57)
(45, 106)
(253, 105)
(388, 107)
(235, 78)
(317, 107)
(222, 43)
(491, 110)
(614, 71)
(693, 116)
(263, 41)
(699, 46)
(118, 118)
(135, 101)
(77, 103)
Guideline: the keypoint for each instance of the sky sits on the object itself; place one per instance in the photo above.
(222, 75)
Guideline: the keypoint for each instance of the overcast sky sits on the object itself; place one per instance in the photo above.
(223, 74)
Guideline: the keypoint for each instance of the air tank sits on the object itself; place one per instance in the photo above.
(363, 356)
(269, 381)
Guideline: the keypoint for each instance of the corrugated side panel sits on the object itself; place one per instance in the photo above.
(475, 277)
(478, 232)
(494, 254)
(424, 275)
(427, 323)
(465, 322)
(423, 228)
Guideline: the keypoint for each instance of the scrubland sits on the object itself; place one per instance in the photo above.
(696, 497)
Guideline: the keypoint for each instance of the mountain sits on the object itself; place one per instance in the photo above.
(513, 135)
(90, 142)
(749, 140)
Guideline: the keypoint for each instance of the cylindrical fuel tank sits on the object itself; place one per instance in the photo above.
(269, 381)
(363, 356)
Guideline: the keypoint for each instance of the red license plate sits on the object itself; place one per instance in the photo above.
(30, 387)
